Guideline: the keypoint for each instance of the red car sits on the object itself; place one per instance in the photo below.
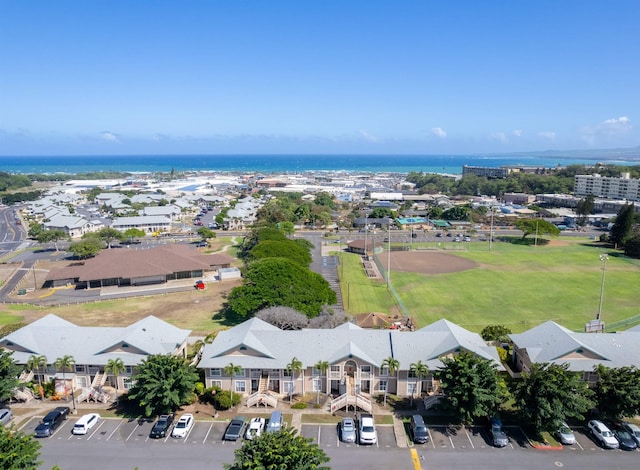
(200, 285)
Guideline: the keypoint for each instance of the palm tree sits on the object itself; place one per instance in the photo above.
(115, 367)
(232, 370)
(295, 366)
(392, 365)
(62, 364)
(323, 367)
(35, 363)
(420, 370)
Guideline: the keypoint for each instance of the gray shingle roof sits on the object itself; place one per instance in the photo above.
(553, 343)
(271, 348)
(53, 337)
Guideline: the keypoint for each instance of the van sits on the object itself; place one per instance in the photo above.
(419, 432)
(85, 423)
(275, 422)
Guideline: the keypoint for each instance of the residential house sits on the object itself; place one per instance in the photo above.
(355, 356)
(91, 348)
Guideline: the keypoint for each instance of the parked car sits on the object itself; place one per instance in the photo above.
(64, 411)
(5, 416)
(498, 436)
(51, 422)
(183, 426)
(419, 433)
(367, 430)
(602, 434)
(565, 434)
(255, 428)
(347, 430)
(633, 430)
(200, 285)
(235, 428)
(625, 439)
(85, 423)
(161, 427)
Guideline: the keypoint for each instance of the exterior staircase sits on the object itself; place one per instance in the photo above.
(262, 397)
(98, 380)
(25, 376)
(351, 398)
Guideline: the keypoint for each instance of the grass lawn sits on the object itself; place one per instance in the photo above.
(514, 285)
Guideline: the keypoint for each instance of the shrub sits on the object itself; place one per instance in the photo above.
(199, 388)
(299, 406)
(224, 401)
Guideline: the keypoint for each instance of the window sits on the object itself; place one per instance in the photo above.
(288, 387)
(384, 370)
(317, 385)
(215, 372)
(79, 369)
(241, 386)
(240, 374)
(412, 388)
(127, 383)
(128, 369)
(216, 383)
(412, 374)
(382, 385)
(365, 369)
(317, 371)
(287, 373)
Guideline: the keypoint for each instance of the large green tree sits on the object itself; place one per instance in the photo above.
(284, 449)
(163, 383)
(86, 248)
(549, 394)
(537, 226)
(285, 248)
(471, 384)
(617, 392)
(110, 235)
(621, 228)
(495, 333)
(18, 450)
(273, 282)
(9, 372)
(48, 236)
(584, 208)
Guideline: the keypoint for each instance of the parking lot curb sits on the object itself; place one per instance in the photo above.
(544, 446)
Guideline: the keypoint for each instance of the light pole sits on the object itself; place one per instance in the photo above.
(604, 258)
(491, 231)
(388, 253)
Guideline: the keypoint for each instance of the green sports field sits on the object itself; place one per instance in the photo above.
(518, 286)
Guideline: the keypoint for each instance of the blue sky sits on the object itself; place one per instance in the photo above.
(424, 77)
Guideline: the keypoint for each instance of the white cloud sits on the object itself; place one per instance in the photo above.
(499, 136)
(109, 136)
(551, 135)
(439, 132)
(606, 129)
(517, 133)
(366, 136)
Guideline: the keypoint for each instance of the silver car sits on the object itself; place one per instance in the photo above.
(5, 416)
(565, 434)
(347, 430)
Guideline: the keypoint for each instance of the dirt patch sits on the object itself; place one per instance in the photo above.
(555, 242)
(426, 262)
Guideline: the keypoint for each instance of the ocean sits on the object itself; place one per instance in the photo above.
(449, 164)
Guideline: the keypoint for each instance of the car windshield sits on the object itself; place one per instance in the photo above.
(181, 424)
(565, 430)
(421, 429)
(624, 435)
(607, 434)
(347, 426)
(367, 428)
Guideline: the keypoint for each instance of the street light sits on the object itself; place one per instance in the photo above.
(604, 258)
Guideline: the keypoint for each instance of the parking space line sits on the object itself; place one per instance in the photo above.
(318, 438)
(132, 433)
(98, 427)
(113, 432)
(431, 438)
(451, 441)
(207, 434)
(581, 448)
(468, 437)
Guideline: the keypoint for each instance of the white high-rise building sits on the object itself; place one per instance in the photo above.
(608, 187)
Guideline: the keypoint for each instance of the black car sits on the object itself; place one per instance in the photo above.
(419, 433)
(49, 423)
(626, 440)
(235, 428)
(161, 427)
(64, 411)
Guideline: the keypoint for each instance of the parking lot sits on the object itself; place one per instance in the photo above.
(326, 435)
(137, 431)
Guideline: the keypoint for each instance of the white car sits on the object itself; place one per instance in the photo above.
(603, 434)
(256, 426)
(367, 430)
(183, 426)
(85, 423)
